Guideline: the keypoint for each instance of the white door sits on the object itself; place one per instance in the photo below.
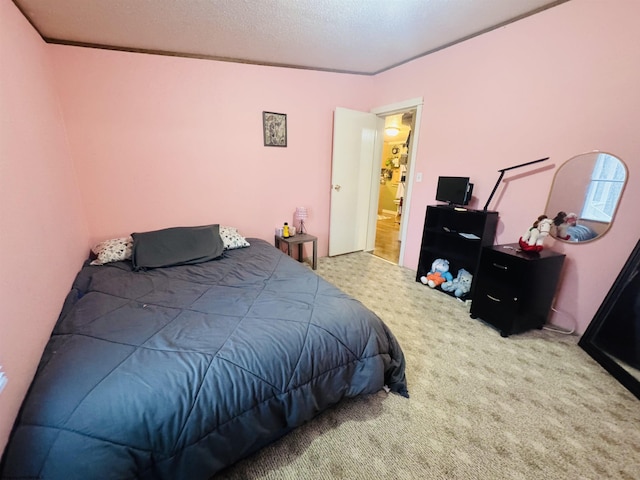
(354, 145)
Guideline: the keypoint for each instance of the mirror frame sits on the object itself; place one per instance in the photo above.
(588, 339)
(551, 214)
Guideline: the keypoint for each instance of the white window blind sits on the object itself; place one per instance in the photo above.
(605, 187)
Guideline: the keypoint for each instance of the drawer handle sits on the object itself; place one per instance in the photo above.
(494, 298)
(497, 265)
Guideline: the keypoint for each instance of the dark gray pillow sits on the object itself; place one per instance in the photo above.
(176, 246)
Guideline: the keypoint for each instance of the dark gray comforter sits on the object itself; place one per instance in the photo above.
(178, 372)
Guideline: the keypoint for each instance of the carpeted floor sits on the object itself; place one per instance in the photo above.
(531, 406)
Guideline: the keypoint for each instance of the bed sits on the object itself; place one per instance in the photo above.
(178, 372)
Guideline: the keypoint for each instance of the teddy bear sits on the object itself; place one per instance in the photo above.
(533, 239)
(438, 274)
(461, 285)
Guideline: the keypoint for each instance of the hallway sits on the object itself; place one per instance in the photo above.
(387, 233)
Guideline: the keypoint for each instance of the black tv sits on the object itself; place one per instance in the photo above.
(454, 190)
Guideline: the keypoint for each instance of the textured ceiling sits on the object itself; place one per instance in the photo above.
(358, 36)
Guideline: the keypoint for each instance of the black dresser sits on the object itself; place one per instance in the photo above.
(514, 290)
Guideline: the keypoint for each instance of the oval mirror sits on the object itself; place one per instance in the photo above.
(584, 196)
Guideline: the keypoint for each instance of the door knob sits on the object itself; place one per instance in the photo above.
(337, 188)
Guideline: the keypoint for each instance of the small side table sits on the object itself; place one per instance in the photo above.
(300, 239)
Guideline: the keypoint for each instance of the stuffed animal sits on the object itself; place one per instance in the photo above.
(438, 274)
(461, 285)
(533, 239)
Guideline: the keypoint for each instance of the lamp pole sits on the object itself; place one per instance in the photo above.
(502, 175)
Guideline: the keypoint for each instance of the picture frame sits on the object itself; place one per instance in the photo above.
(274, 129)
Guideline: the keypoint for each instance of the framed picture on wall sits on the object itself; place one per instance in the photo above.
(274, 127)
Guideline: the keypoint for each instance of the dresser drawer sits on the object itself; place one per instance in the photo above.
(495, 307)
(503, 291)
(498, 267)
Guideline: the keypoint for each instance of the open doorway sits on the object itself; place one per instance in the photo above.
(355, 172)
(393, 184)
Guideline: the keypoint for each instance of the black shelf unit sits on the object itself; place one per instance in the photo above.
(444, 233)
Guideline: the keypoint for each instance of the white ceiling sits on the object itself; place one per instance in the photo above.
(357, 36)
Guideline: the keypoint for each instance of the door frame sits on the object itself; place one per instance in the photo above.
(381, 112)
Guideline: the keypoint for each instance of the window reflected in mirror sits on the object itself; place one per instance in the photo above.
(585, 195)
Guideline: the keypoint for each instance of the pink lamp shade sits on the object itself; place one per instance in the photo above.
(302, 215)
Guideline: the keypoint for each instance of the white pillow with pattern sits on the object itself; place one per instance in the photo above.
(113, 250)
(232, 239)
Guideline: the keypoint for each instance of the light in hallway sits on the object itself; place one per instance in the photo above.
(392, 125)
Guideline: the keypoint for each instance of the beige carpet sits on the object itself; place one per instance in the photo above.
(531, 406)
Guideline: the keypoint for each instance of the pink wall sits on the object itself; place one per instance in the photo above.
(559, 83)
(43, 234)
(162, 141)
